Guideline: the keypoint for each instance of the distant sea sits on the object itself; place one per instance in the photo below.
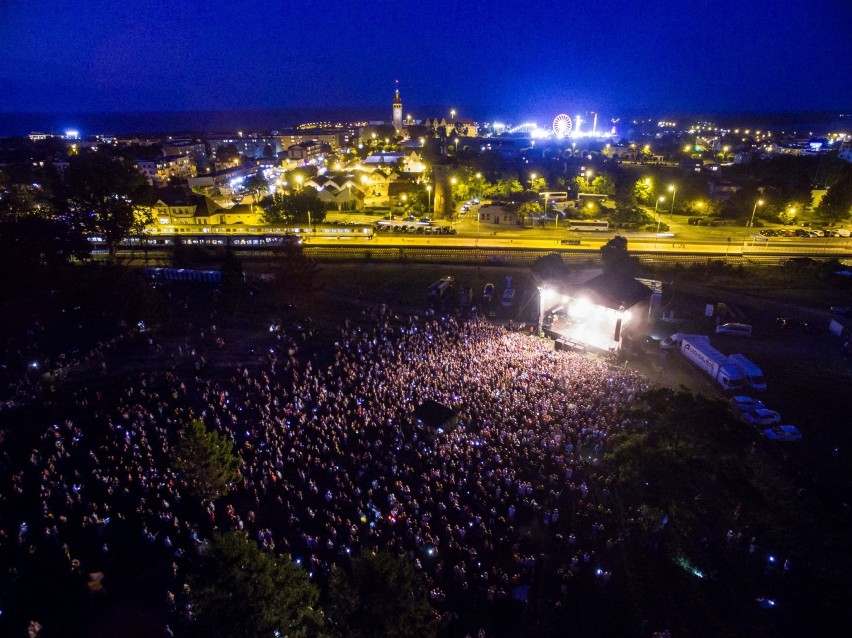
(13, 124)
(198, 122)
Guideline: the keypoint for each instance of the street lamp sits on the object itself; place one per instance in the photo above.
(543, 295)
(428, 198)
(673, 191)
(753, 211)
(661, 198)
(452, 114)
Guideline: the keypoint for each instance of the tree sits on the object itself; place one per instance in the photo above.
(227, 153)
(238, 590)
(205, 461)
(34, 240)
(836, 204)
(603, 185)
(629, 214)
(529, 209)
(17, 200)
(741, 204)
(643, 191)
(381, 596)
(99, 195)
(538, 184)
(582, 185)
(298, 208)
(615, 257)
(257, 187)
(504, 187)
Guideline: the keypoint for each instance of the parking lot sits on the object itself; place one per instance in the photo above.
(807, 374)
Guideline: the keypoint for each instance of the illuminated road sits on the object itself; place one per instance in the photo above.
(685, 239)
(636, 241)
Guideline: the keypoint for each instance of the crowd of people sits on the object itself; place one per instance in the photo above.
(335, 460)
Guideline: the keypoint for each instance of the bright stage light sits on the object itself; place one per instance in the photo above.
(580, 308)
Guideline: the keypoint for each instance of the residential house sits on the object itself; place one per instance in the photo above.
(159, 171)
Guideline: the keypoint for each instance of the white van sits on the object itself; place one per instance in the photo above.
(734, 329)
(672, 342)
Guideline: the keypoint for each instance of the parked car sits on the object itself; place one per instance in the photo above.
(761, 416)
(488, 293)
(783, 433)
(734, 329)
(743, 403)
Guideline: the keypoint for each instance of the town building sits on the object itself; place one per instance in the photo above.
(305, 152)
(498, 213)
(721, 189)
(340, 191)
(334, 138)
(226, 179)
(191, 148)
(452, 126)
(175, 206)
(397, 112)
(179, 210)
(159, 171)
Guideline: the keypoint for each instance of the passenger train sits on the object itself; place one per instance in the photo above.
(241, 237)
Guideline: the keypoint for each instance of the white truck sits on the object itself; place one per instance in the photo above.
(697, 349)
(751, 371)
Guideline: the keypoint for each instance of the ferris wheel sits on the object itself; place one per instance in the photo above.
(562, 125)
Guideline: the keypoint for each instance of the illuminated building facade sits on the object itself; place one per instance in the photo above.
(397, 113)
(159, 171)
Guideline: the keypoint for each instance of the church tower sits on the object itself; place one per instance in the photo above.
(397, 111)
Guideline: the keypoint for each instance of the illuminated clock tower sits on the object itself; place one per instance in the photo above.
(397, 111)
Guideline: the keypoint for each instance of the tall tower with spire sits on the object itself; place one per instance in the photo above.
(397, 111)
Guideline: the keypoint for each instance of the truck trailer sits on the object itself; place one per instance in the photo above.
(697, 349)
(752, 374)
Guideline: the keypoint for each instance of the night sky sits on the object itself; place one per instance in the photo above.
(483, 58)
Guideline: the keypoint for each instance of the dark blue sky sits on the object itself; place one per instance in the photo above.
(484, 58)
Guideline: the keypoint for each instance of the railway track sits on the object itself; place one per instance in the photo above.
(507, 256)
